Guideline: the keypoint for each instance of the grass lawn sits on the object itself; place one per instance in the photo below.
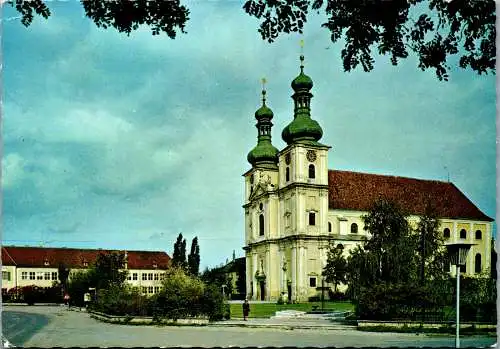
(265, 310)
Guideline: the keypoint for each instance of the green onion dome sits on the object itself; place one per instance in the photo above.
(302, 82)
(265, 152)
(302, 128)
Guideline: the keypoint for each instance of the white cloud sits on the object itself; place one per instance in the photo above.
(12, 170)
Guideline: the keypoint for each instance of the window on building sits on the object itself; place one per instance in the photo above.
(150, 289)
(39, 275)
(312, 282)
(312, 218)
(85, 263)
(134, 276)
(340, 247)
(477, 263)
(6, 275)
(157, 276)
(129, 277)
(162, 276)
(261, 224)
(54, 275)
(446, 267)
(463, 269)
(46, 275)
(32, 275)
(46, 262)
(157, 289)
(144, 276)
(354, 228)
(287, 174)
(144, 289)
(150, 276)
(479, 235)
(312, 173)
(463, 234)
(24, 275)
(446, 233)
(329, 227)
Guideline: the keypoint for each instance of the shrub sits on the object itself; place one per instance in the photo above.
(336, 296)
(213, 303)
(314, 299)
(280, 301)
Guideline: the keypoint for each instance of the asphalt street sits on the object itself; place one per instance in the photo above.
(42, 326)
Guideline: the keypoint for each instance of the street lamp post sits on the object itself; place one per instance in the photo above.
(458, 255)
(322, 293)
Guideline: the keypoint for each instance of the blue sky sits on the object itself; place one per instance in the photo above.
(123, 142)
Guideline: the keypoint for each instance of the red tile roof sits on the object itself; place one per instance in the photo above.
(76, 258)
(358, 191)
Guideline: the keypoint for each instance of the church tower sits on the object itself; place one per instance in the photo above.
(303, 188)
(261, 204)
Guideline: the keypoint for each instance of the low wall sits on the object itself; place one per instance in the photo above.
(146, 320)
(415, 324)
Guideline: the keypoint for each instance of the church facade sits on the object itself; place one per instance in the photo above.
(295, 207)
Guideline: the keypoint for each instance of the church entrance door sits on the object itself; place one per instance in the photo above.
(262, 290)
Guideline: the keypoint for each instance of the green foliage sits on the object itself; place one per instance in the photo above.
(179, 255)
(433, 32)
(63, 274)
(121, 300)
(216, 276)
(336, 266)
(478, 298)
(108, 270)
(194, 257)
(181, 296)
(241, 281)
(213, 303)
(168, 17)
(431, 254)
(80, 283)
(390, 252)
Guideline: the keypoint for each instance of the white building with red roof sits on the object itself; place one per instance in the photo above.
(295, 207)
(38, 266)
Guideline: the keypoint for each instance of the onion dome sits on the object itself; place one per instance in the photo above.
(264, 152)
(302, 127)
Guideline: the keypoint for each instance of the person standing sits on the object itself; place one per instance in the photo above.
(246, 309)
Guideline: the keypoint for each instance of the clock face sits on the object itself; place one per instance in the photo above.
(311, 155)
(287, 159)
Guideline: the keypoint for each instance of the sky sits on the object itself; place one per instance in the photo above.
(122, 142)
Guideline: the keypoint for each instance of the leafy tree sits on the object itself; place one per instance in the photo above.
(434, 30)
(63, 274)
(108, 270)
(431, 253)
(336, 266)
(493, 268)
(194, 257)
(80, 283)
(392, 245)
(179, 255)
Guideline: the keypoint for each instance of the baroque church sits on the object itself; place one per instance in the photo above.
(295, 207)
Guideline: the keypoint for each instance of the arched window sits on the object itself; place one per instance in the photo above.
(478, 263)
(312, 218)
(340, 247)
(354, 228)
(329, 227)
(446, 233)
(261, 225)
(463, 234)
(479, 235)
(287, 174)
(312, 173)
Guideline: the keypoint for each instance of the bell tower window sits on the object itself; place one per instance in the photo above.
(312, 173)
(329, 227)
(287, 174)
(261, 225)
(312, 218)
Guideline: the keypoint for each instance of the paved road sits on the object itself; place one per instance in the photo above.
(58, 327)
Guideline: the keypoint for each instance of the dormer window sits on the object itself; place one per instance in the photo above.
(85, 263)
(46, 262)
(155, 265)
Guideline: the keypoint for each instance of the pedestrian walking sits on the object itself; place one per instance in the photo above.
(246, 309)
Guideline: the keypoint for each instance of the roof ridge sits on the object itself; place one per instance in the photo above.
(82, 249)
(393, 176)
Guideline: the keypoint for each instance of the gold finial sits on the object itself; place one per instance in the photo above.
(302, 55)
(264, 90)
